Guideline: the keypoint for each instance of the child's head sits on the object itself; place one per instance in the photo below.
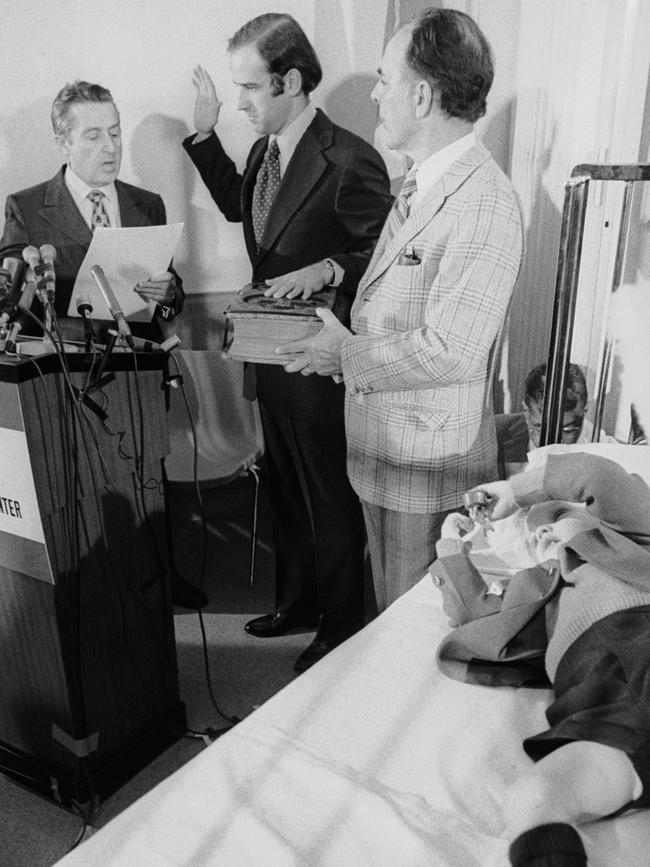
(534, 535)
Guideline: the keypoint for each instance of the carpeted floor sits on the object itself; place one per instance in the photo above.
(244, 671)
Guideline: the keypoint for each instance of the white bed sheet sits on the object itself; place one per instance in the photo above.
(372, 757)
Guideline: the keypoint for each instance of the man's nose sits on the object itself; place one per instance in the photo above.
(242, 102)
(373, 94)
(110, 143)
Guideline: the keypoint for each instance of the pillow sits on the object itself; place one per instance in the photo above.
(633, 459)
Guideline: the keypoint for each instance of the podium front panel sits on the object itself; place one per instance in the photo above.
(89, 684)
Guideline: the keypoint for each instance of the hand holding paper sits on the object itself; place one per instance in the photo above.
(161, 289)
(129, 257)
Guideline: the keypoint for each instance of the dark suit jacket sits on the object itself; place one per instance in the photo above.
(332, 203)
(47, 214)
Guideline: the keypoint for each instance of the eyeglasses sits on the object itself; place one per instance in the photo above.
(571, 428)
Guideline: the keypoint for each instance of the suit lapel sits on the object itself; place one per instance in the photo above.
(305, 168)
(423, 213)
(60, 211)
(129, 201)
(248, 185)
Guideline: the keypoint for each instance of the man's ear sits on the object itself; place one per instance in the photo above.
(293, 82)
(61, 144)
(424, 98)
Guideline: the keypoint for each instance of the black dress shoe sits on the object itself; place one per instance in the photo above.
(185, 594)
(278, 623)
(315, 652)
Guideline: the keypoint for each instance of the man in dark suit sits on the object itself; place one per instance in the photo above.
(312, 199)
(64, 211)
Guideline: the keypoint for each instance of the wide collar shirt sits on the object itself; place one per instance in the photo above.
(79, 191)
(433, 168)
(290, 136)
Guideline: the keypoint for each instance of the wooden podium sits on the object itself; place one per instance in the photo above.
(88, 681)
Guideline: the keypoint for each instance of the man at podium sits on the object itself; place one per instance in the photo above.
(64, 212)
(84, 194)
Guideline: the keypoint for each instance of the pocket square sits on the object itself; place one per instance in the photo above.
(408, 256)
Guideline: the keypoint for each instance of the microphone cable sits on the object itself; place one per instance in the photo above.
(140, 487)
(233, 720)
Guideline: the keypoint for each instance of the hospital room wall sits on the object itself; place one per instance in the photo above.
(582, 85)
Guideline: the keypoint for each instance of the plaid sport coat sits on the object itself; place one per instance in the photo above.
(419, 420)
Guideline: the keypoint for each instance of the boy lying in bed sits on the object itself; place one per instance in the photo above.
(578, 530)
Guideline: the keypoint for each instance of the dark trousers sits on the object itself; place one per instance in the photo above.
(317, 522)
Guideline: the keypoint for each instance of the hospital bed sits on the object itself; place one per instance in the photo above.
(372, 757)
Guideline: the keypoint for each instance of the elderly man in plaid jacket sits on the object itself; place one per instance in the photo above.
(431, 306)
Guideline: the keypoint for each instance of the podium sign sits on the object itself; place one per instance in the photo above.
(22, 542)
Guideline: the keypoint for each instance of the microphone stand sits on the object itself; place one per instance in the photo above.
(43, 274)
(98, 382)
(89, 332)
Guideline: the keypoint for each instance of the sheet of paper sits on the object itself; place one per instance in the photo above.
(126, 255)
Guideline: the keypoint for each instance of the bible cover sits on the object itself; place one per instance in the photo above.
(255, 324)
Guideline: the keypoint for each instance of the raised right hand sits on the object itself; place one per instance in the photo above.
(207, 104)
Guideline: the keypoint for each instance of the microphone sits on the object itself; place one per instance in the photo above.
(48, 255)
(113, 305)
(32, 257)
(85, 309)
(16, 270)
(143, 345)
(5, 286)
(24, 306)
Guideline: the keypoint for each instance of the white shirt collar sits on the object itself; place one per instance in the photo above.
(291, 135)
(433, 168)
(79, 189)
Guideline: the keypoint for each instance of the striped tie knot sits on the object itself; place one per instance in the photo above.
(400, 210)
(408, 188)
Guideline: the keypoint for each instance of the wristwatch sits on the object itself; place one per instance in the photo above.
(330, 266)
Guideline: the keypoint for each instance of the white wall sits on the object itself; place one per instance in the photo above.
(582, 81)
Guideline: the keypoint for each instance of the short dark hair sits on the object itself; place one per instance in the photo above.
(283, 45)
(448, 48)
(71, 94)
(575, 390)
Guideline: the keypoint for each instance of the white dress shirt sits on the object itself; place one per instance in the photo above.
(79, 191)
(290, 136)
(433, 168)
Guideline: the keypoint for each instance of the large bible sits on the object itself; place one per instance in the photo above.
(256, 325)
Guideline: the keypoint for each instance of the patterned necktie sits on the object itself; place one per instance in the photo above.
(99, 215)
(266, 188)
(400, 209)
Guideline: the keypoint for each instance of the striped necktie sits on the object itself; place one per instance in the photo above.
(99, 216)
(400, 209)
(266, 188)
